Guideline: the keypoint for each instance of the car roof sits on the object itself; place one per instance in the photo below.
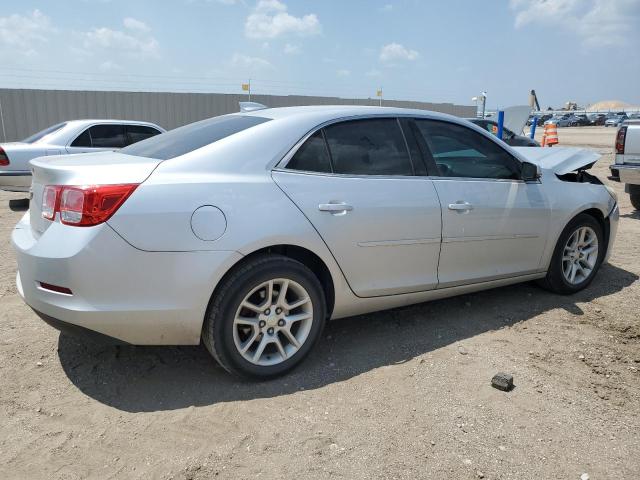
(322, 113)
(90, 121)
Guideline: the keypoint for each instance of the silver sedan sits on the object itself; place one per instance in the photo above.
(74, 136)
(249, 231)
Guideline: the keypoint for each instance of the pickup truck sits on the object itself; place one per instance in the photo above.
(626, 168)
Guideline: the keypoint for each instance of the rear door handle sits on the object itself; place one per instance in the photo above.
(461, 206)
(335, 208)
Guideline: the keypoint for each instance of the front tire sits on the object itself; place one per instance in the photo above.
(635, 200)
(577, 257)
(265, 317)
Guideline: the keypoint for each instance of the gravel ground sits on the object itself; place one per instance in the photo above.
(399, 394)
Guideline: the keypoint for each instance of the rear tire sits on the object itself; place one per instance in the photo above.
(574, 263)
(635, 200)
(265, 317)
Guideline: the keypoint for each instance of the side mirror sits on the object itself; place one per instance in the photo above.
(530, 172)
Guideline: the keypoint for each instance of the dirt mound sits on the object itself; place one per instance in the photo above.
(606, 105)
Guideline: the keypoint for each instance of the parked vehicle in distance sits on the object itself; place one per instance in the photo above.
(508, 136)
(616, 120)
(560, 120)
(74, 136)
(540, 119)
(626, 168)
(580, 120)
(249, 231)
(597, 119)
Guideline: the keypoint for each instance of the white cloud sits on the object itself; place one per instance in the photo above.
(395, 51)
(270, 19)
(133, 24)
(109, 66)
(290, 49)
(386, 8)
(25, 31)
(249, 63)
(343, 72)
(135, 41)
(373, 73)
(597, 22)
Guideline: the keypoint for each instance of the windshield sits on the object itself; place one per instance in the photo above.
(36, 137)
(192, 137)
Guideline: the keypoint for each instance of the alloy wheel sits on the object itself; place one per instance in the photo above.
(580, 255)
(272, 322)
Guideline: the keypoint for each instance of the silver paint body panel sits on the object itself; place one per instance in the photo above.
(145, 277)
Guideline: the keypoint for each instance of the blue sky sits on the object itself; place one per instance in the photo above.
(440, 51)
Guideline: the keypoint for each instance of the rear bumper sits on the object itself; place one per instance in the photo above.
(118, 291)
(79, 332)
(15, 180)
(625, 173)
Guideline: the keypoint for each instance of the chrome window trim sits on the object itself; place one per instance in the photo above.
(280, 166)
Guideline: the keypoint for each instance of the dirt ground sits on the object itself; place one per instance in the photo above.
(399, 394)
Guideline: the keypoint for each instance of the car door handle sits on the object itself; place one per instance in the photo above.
(335, 207)
(461, 206)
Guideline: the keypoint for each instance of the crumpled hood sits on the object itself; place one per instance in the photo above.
(561, 160)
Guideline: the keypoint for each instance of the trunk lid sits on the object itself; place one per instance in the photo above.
(104, 168)
(561, 160)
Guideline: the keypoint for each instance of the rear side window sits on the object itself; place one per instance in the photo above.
(107, 136)
(312, 156)
(368, 147)
(102, 136)
(136, 133)
(82, 140)
(462, 152)
(191, 137)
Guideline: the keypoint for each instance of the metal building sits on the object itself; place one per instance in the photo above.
(26, 111)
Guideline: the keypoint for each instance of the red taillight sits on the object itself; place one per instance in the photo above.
(620, 140)
(84, 206)
(4, 159)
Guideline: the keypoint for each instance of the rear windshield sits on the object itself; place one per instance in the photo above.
(191, 137)
(43, 133)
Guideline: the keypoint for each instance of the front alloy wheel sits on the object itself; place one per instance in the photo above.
(580, 255)
(577, 256)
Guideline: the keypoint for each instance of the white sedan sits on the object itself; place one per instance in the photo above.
(249, 231)
(75, 136)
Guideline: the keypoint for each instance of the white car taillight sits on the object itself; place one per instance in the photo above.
(50, 201)
(86, 205)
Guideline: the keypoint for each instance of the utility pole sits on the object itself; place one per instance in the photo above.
(4, 133)
(379, 95)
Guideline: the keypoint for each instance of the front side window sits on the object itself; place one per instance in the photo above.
(107, 136)
(462, 152)
(368, 147)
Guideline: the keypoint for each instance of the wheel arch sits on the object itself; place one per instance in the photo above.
(303, 255)
(602, 220)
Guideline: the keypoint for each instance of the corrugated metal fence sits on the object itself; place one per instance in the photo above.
(26, 111)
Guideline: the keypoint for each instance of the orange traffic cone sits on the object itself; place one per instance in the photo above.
(550, 136)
